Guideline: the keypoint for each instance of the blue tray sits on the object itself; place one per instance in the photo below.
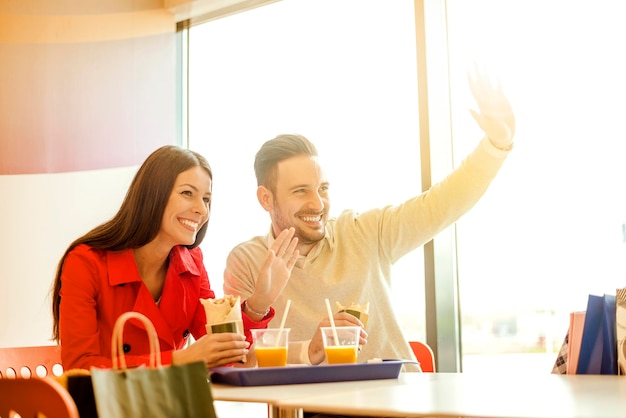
(263, 376)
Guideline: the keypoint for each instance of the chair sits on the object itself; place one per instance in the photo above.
(25, 362)
(424, 355)
(31, 397)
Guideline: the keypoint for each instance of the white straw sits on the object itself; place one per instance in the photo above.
(282, 322)
(332, 321)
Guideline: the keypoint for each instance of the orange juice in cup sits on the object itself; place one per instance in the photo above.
(271, 356)
(341, 344)
(339, 354)
(270, 346)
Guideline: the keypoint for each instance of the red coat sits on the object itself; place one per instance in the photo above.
(97, 286)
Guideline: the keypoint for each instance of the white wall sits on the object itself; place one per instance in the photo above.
(40, 215)
(87, 91)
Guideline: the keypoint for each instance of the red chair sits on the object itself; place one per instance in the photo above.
(25, 362)
(31, 397)
(424, 355)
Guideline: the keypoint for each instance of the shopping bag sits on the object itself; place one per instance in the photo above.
(81, 389)
(598, 346)
(78, 383)
(576, 327)
(154, 391)
(562, 362)
(609, 335)
(620, 330)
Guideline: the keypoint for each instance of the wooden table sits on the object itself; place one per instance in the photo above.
(445, 395)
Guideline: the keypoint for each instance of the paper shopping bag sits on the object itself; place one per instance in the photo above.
(598, 347)
(576, 327)
(78, 383)
(562, 361)
(81, 389)
(609, 335)
(154, 390)
(620, 330)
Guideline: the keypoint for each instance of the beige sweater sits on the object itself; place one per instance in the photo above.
(353, 262)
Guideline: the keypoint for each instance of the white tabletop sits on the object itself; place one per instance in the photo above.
(274, 394)
(476, 395)
(445, 395)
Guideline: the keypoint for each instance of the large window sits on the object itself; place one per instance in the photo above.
(343, 73)
(549, 232)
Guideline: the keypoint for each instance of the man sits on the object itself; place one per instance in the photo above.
(348, 259)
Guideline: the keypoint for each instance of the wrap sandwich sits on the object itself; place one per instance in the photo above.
(359, 311)
(223, 315)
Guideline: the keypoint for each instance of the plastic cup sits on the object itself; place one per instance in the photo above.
(344, 348)
(270, 346)
(363, 316)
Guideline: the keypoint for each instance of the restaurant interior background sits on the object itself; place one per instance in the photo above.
(548, 232)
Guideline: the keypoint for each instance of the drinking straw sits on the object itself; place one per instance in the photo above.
(332, 321)
(282, 321)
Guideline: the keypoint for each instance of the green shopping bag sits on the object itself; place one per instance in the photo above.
(175, 391)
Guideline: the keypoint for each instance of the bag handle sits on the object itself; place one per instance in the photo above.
(117, 342)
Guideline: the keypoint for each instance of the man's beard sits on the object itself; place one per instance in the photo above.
(305, 235)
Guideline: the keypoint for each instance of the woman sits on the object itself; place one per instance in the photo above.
(147, 259)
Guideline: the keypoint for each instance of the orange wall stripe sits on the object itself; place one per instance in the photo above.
(40, 29)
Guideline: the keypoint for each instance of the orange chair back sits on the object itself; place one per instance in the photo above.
(424, 355)
(25, 362)
(31, 397)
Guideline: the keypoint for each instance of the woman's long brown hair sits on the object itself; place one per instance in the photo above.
(139, 218)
